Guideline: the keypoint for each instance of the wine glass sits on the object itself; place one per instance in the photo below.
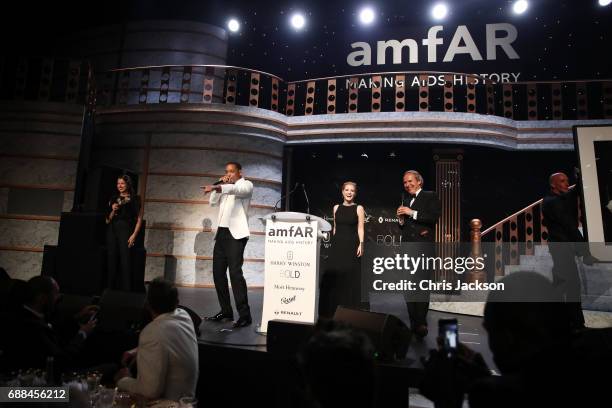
(188, 402)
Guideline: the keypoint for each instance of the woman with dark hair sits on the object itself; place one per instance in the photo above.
(341, 282)
(124, 221)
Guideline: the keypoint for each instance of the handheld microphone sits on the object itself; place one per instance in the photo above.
(216, 183)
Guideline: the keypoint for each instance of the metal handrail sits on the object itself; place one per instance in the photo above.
(508, 218)
(195, 66)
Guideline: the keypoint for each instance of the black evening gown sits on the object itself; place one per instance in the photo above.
(117, 233)
(341, 281)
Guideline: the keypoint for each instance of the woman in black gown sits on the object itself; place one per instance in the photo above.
(124, 221)
(341, 282)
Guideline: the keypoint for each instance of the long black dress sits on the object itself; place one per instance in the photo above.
(341, 281)
(117, 234)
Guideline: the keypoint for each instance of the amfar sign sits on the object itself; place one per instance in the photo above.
(291, 261)
(500, 35)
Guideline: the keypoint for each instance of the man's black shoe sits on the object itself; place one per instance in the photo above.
(589, 260)
(243, 322)
(219, 317)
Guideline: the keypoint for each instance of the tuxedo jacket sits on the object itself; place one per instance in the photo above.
(32, 340)
(561, 217)
(423, 229)
(167, 358)
(235, 198)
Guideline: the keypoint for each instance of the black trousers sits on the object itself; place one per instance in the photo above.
(566, 279)
(229, 254)
(119, 262)
(417, 311)
(417, 301)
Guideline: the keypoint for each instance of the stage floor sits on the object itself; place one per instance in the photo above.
(204, 302)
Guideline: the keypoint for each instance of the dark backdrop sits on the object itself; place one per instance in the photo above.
(495, 182)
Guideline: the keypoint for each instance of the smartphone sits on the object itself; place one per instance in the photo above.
(448, 331)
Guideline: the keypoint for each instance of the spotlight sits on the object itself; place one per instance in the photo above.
(298, 21)
(604, 3)
(233, 25)
(366, 15)
(364, 155)
(520, 6)
(392, 155)
(439, 11)
(340, 156)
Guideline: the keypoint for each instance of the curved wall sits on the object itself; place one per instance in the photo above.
(147, 43)
(176, 150)
(39, 148)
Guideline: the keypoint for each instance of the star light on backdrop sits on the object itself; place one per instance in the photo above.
(556, 39)
(551, 41)
(366, 16)
(233, 25)
(439, 11)
(298, 21)
(520, 6)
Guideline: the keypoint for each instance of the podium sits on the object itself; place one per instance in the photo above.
(291, 272)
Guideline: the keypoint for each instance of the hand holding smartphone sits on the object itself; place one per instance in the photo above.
(448, 331)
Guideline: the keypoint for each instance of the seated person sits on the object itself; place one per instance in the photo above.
(541, 360)
(337, 365)
(167, 353)
(32, 338)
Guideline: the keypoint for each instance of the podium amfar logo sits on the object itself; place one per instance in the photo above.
(292, 231)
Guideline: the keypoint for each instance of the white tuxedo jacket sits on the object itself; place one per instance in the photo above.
(235, 198)
(167, 359)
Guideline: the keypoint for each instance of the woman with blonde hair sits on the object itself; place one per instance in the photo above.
(341, 282)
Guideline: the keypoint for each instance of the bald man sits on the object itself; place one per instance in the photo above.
(560, 210)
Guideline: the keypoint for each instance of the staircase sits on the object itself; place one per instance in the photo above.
(519, 243)
(596, 279)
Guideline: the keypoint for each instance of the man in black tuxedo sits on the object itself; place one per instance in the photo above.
(33, 339)
(560, 210)
(418, 215)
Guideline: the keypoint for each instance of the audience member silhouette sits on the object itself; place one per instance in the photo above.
(542, 361)
(31, 338)
(337, 364)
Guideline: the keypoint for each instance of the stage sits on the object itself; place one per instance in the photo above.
(225, 352)
(204, 302)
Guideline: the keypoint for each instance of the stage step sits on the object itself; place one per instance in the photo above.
(596, 279)
(541, 250)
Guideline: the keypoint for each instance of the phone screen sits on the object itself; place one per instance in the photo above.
(449, 333)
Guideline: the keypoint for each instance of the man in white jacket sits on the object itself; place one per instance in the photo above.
(167, 353)
(232, 194)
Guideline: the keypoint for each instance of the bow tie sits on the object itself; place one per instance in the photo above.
(411, 197)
